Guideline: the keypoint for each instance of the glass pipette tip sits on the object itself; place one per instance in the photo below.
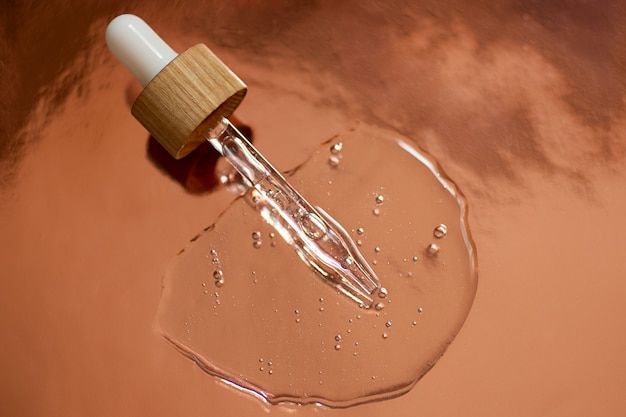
(318, 239)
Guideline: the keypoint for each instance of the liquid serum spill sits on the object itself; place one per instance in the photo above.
(323, 348)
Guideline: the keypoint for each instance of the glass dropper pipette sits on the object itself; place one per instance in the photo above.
(186, 100)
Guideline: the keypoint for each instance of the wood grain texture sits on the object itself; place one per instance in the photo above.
(187, 98)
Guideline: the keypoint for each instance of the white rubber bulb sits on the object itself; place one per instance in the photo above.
(138, 47)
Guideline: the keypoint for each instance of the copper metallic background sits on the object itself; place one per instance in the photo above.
(521, 101)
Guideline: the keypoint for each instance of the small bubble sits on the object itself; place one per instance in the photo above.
(261, 368)
(269, 363)
(377, 249)
(204, 284)
(382, 293)
(347, 261)
(380, 199)
(359, 242)
(354, 354)
(296, 311)
(379, 306)
(213, 252)
(349, 320)
(270, 372)
(420, 310)
(360, 231)
(206, 291)
(273, 244)
(313, 226)
(215, 261)
(256, 196)
(321, 299)
(376, 212)
(333, 161)
(388, 324)
(432, 249)
(374, 262)
(272, 235)
(415, 259)
(260, 360)
(321, 309)
(373, 377)
(336, 148)
(224, 179)
(298, 320)
(257, 244)
(440, 231)
(358, 316)
(337, 347)
(385, 335)
(218, 274)
(219, 283)
(414, 323)
(338, 338)
(256, 235)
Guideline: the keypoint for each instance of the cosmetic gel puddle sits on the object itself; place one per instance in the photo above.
(245, 308)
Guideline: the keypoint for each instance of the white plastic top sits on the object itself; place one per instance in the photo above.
(138, 47)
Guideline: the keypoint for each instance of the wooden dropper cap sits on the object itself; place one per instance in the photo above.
(184, 95)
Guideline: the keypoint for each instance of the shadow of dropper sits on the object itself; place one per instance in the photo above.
(197, 172)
